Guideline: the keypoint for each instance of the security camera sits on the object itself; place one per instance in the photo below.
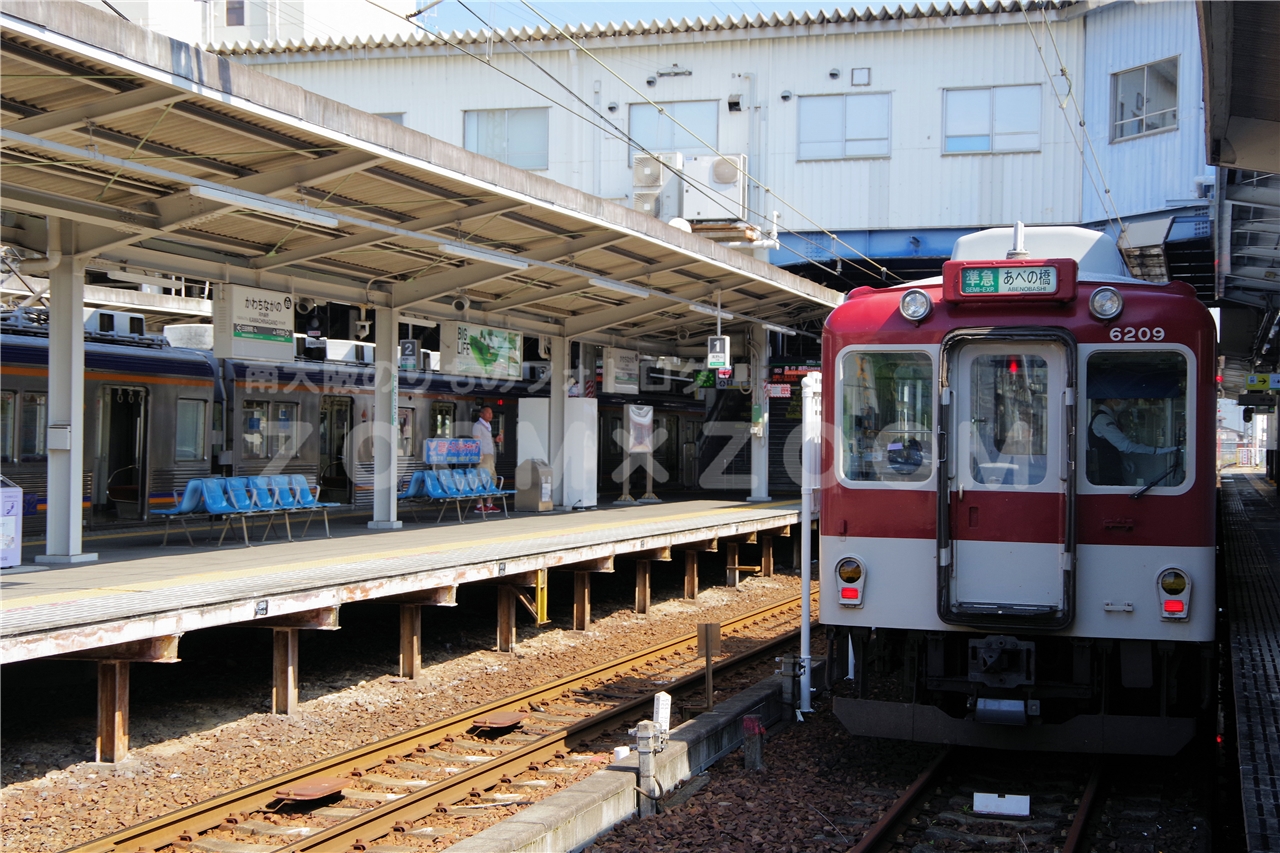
(362, 329)
(305, 305)
(461, 303)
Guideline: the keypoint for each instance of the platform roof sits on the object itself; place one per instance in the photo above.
(176, 161)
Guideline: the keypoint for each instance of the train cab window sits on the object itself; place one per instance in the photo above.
(35, 427)
(405, 432)
(189, 442)
(1136, 432)
(8, 417)
(1009, 410)
(886, 418)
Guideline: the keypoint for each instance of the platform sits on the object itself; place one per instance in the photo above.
(142, 592)
(1251, 534)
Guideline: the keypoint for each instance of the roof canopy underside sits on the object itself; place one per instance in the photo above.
(174, 161)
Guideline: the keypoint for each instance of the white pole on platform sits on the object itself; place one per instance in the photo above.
(386, 394)
(811, 431)
(759, 350)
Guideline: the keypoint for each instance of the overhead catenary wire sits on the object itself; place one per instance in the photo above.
(1103, 192)
(622, 136)
(882, 270)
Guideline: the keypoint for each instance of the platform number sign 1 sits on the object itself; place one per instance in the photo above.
(717, 352)
(409, 354)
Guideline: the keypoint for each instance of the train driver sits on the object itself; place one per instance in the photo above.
(483, 433)
(1111, 445)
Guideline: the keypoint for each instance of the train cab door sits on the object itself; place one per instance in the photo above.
(1008, 508)
(120, 467)
(335, 425)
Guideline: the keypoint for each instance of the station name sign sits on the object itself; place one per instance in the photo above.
(249, 322)
(1052, 280)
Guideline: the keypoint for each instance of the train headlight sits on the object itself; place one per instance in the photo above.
(1174, 588)
(915, 305)
(1106, 303)
(852, 574)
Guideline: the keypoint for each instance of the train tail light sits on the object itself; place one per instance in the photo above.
(851, 575)
(1174, 588)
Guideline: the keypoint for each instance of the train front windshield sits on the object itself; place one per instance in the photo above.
(887, 416)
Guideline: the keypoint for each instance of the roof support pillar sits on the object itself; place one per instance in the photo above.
(556, 427)
(65, 435)
(759, 414)
(386, 393)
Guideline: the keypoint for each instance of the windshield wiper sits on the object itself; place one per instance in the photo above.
(1177, 461)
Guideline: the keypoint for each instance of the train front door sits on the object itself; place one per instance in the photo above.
(335, 425)
(120, 463)
(1009, 502)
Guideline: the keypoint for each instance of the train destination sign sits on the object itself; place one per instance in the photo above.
(1009, 280)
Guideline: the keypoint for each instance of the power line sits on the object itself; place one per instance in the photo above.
(884, 271)
(612, 129)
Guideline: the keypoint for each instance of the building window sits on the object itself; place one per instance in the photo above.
(1144, 99)
(833, 127)
(659, 131)
(993, 120)
(189, 442)
(235, 13)
(35, 427)
(516, 137)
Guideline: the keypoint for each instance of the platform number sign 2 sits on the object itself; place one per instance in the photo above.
(409, 354)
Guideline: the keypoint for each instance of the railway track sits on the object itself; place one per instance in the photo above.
(425, 784)
(939, 806)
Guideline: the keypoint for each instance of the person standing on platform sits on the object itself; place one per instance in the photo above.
(483, 433)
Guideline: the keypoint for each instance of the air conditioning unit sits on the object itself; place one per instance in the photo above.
(715, 189)
(655, 184)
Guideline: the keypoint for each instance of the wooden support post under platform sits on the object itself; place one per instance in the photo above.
(284, 670)
(642, 586)
(113, 710)
(766, 556)
(506, 618)
(731, 564)
(581, 600)
(410, 641)
(691, 575)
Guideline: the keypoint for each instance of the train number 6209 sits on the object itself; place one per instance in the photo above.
(1137, 333)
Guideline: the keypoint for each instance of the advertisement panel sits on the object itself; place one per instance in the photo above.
(467, 349)
(639, 429)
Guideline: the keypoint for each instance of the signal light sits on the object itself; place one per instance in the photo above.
(850, 593)
(1172, 605)
(1013, 365)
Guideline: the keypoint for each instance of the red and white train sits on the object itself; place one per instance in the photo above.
(1017, 511)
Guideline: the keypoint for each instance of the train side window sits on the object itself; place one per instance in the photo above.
(886, 422)
(8, 417)
(404, 425)
(35, 427)
(1136, 432)
(253, 429)
(283, 434)
(189, 443)
(442, 420)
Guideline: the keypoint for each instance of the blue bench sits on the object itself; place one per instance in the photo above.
(245, 498)
(440, 483)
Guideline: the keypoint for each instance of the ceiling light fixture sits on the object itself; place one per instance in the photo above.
(486, 257)
(713, 312)
(262, 204)
(782, 330)
(620, 287)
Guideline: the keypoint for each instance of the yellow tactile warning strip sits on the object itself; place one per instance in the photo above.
(13, 600)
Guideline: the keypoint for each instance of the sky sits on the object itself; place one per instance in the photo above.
(452, 15)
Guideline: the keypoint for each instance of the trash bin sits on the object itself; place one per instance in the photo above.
(10, 523)
(533, 486)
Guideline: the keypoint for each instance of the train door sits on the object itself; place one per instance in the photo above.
(1009, 502)
(335, 425)
(120, 466)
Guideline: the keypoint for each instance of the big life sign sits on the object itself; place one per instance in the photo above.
(252, 323)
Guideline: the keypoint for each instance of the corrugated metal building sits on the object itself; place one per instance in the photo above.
(886, 133)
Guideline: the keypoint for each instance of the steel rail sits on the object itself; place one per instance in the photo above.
(878, 833)
(163, 831)
(1080, 823)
